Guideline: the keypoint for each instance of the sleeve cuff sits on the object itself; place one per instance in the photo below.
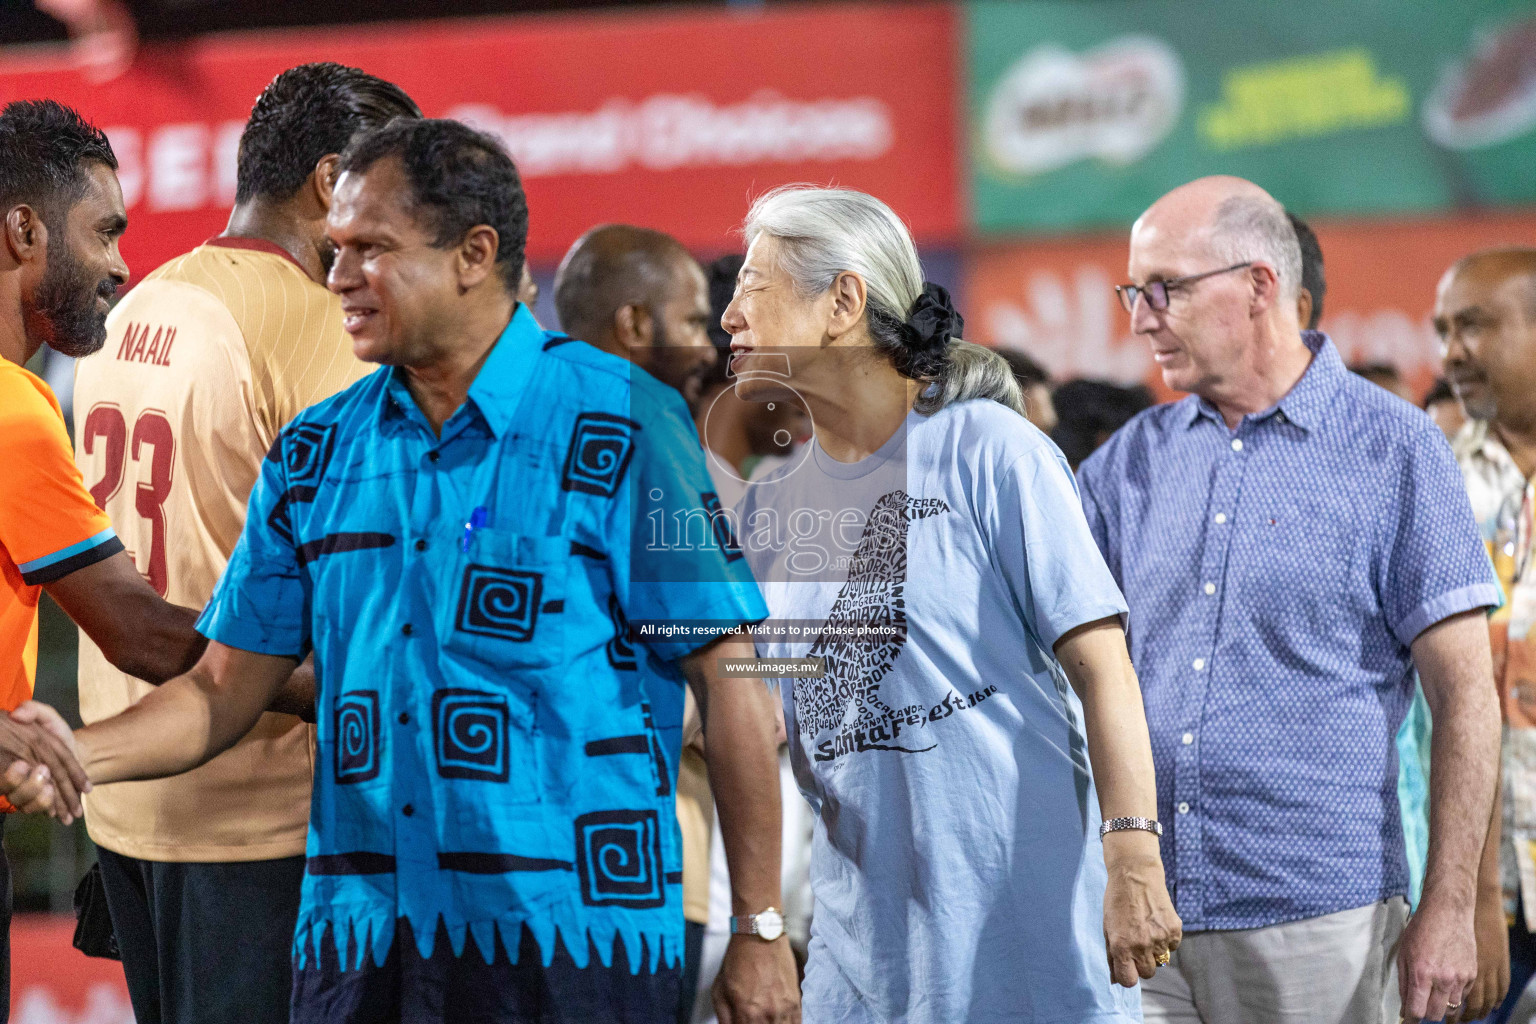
(1081, 616)
(246, 634)
(77, 556)
(1438, 609)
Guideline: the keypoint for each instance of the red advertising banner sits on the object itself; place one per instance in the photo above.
(1055, 299)
(53, 983)
(668, 120)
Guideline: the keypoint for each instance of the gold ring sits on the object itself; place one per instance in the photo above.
(1163, 958)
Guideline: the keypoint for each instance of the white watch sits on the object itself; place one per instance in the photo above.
(768, 925)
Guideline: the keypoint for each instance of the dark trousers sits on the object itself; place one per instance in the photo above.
(205, 943)
(693, 949)
(5, 933)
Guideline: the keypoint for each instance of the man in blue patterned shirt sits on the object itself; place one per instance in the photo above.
(462, 539)
(1292, 541)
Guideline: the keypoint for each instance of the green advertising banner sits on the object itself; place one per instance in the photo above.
(1082, 114)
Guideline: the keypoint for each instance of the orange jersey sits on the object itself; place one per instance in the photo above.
(49, 526)
(206, 360)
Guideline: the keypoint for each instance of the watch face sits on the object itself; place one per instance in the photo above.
(770, 925)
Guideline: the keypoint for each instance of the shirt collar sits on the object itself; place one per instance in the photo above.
(494, 393)
(1305, 404)
(256, 245)
(504, 377)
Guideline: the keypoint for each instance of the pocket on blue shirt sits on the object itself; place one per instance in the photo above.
(503, 601)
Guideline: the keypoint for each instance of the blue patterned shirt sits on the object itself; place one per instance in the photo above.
(1276, 575)
(497, 747)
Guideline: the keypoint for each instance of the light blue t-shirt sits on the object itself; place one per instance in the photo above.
(956, 865)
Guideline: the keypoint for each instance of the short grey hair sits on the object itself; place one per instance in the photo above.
(824, 232)
(1257, 228)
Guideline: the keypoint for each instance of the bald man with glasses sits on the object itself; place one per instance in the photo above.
(1292, 542)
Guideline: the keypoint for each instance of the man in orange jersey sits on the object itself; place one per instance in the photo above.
(61, 213)
(205, 362)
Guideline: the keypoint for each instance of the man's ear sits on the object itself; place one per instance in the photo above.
(848, 298)
(1266, 287)
(26, 236)
(324, 179)
(634, 327)
(476, 258)
(1304, 308)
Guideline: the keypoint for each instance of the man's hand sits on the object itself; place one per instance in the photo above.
(1437, 960)
(36, 737)
(1492, 983)
(757, 983)
(1140, 923)
(29, 788)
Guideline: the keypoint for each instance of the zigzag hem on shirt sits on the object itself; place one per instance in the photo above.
(360, 934)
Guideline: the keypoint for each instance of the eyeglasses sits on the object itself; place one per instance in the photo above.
(1156, 292)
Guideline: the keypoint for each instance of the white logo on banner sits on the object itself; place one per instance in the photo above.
(1490, 98)
(105, 1004)
(188, 166)
(1384, 334)
(1053, 107)
(665, 132)
(1070, 327)
(184, 166)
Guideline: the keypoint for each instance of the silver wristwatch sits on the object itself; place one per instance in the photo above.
(767, 925)
(1131, 824)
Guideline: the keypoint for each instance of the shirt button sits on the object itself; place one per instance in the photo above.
(1189, 738)
(405, 718)
(1237, 445)
(1183, 808)
(406, 629)
(433, 456)
(1199, 664)
(1221, 517)
(1210, 588)
(408, 810)
(421, 545)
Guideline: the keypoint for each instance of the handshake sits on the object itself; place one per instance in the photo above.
(39, 770)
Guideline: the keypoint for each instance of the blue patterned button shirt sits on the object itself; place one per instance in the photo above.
(497, 748)
(1276, 575)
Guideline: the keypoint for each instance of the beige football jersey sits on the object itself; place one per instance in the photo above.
(205, 362)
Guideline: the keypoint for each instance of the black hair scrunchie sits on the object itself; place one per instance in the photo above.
(933, 318)
(929, 328)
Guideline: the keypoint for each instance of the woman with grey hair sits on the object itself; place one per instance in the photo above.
(974, 690)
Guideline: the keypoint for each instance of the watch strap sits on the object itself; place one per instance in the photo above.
(1131, 825)
(746, 924)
